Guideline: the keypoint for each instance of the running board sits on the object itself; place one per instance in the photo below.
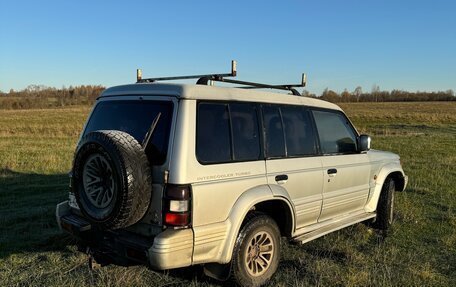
(306, 237)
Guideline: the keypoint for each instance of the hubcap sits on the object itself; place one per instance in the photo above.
(259, 253)
(99, 185)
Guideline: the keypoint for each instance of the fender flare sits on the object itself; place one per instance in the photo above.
(385, 171)
(243, 205)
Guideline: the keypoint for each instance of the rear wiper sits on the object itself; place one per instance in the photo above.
(149, 133)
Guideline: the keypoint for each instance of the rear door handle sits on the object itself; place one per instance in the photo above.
(332, 171)
(281, 177)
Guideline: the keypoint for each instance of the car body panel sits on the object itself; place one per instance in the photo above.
(303, 188)
(347, 190)
(383, 165)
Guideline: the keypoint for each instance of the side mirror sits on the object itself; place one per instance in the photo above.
(364, 143)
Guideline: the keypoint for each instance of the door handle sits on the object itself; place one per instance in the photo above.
(332, 171)
(281, 177)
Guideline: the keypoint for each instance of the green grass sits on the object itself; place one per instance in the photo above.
(36, 149)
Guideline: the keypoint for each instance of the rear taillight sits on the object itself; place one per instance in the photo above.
(177, 206)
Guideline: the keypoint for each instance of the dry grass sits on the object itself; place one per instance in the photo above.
(36, 148)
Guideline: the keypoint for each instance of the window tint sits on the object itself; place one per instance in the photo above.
(246, 140)
(298, 131)
(336, 135)
(227, 132)
(135, 117)
(213, 133)
(275, 142)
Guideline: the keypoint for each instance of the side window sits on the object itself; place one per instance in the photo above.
(298, 131)
(246, 140)
(227, 132)
(213, 133)
(275, 142)
(336, 135)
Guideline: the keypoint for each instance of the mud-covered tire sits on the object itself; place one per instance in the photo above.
(385, 206)
(111, 179)
(258, 227)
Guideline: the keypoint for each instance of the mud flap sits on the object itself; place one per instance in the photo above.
(218, 271)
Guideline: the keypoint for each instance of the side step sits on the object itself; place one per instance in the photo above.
(306, 237)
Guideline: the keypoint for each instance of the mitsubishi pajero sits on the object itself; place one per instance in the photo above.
(173, 175)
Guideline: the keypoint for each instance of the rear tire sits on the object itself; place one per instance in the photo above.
(385, 206)
(256, 254)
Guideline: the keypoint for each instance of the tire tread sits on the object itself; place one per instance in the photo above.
(136, 175)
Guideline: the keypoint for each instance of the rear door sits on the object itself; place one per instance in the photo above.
(346, 172)
(291, 161)
(229, 159)
(134, 115)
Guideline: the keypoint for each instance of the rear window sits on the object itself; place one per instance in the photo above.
(135, 117)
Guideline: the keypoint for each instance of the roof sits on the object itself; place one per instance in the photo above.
(203, 92)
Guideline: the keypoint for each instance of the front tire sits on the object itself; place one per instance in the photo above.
(257, 251)
(385, 206)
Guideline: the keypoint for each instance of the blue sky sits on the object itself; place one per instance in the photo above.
(409, 45)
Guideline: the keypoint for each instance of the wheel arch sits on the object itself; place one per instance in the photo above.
(391, 170)
(399, 180)
(267, 204)
(279, 210)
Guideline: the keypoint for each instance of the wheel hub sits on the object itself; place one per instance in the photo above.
(98, 180)
(259, 253)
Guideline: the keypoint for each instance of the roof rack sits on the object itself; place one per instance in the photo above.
(209, 78)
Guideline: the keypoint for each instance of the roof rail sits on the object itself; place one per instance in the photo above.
(253, 85)
(207, 79)
(139, 78)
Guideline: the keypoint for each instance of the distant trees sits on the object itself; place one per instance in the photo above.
(377, 95)
(330, 96)
(306, 93)
(357, 93)
(39, 96)
(346, 96)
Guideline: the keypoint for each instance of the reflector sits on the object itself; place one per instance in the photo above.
(176, 219)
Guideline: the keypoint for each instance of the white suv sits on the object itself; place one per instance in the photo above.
(174, 175)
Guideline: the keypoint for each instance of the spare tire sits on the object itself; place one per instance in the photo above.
(111, 179)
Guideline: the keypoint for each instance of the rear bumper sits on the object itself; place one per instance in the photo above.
(169, 249)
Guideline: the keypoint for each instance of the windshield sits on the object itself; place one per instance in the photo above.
(136, 117)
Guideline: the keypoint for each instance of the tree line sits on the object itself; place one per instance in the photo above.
(38, 96)
(377, 95)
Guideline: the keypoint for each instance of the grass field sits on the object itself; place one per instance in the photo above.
(36, 149)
